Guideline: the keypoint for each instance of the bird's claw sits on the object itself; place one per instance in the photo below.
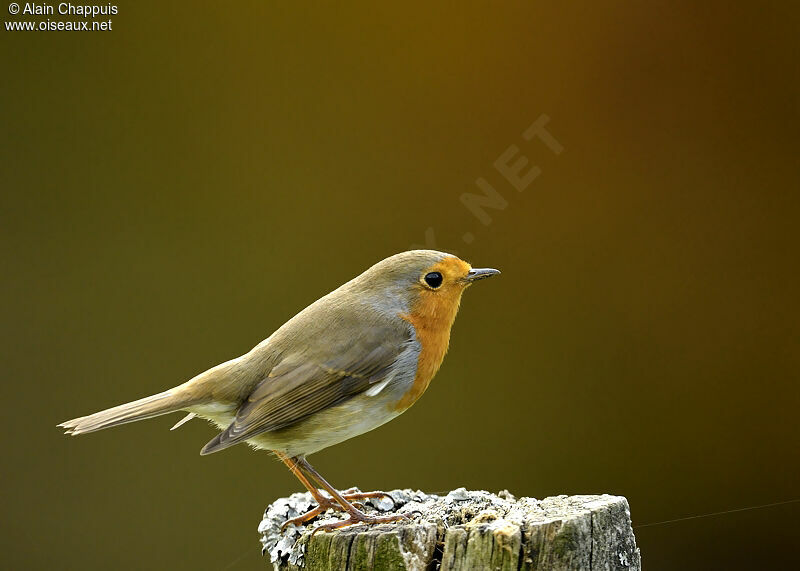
(360, 518)
(350, 496)
(325, 504)
(305, 518)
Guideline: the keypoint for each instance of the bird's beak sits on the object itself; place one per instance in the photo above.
(476, 274)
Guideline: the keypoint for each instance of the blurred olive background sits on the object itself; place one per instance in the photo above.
(175, 189)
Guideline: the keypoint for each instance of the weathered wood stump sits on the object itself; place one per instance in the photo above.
(462, 530)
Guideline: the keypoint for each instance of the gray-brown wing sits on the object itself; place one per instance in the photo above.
(300, 385)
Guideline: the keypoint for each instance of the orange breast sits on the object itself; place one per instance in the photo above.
(432, 317)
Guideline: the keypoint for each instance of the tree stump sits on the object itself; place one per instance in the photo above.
(461, 530)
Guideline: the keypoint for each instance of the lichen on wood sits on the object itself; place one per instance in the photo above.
(460, 530)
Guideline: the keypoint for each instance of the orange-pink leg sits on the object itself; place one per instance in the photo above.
(337, 501)
(356, 515)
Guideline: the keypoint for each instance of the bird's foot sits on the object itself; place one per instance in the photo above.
(325, 503)
(358, 517)
(354, 495)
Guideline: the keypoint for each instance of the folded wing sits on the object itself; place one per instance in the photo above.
(302, 384)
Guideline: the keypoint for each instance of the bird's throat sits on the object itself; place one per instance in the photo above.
(432, 317)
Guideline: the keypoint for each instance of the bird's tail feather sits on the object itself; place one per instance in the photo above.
(155, 405)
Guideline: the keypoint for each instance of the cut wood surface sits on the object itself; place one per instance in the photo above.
(461, 530)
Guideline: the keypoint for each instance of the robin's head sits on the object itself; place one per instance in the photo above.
(423, 281)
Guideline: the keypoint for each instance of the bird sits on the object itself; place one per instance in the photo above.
(351, 361)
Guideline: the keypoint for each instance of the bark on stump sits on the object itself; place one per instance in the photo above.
(462, 530)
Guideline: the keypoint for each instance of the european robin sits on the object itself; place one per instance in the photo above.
(349, 362)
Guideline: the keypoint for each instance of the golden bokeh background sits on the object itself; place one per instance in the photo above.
(175, 189)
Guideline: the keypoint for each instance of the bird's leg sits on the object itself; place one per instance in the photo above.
(296, 467)
(356, 515)
(323, 503)
(292, 464)
(348, 495)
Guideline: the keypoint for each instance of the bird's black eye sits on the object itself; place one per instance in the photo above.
(433, 279)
